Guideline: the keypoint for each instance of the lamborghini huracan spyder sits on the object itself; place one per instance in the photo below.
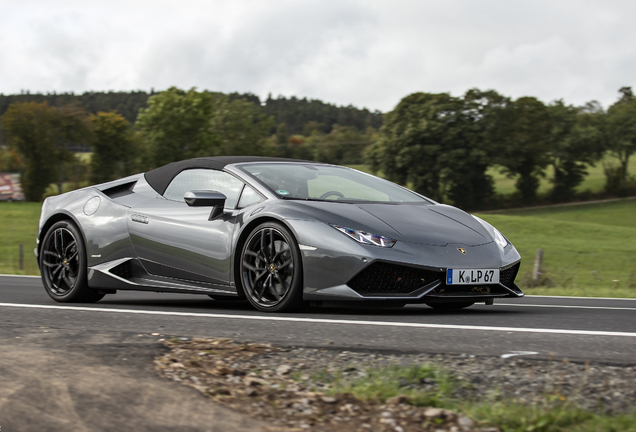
(277, 232)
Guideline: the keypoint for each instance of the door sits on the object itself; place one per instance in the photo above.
(174, 240)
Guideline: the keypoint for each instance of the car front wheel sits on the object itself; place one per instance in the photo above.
(271, 269)
(63, 265)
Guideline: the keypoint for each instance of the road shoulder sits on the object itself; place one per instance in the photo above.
(53, 379)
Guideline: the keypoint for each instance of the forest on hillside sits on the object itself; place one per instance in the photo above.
(294, 112)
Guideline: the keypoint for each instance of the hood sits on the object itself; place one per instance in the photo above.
(415, 223)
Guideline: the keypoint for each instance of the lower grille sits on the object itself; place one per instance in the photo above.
(507, 276)
(391, 278)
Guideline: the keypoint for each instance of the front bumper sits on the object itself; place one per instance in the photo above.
(338, 268)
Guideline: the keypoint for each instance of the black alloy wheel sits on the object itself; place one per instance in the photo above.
(63, 265)
(271, 269)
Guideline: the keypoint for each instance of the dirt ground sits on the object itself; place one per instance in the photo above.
(60, 380)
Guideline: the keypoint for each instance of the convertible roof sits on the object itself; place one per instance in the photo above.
(160, 178)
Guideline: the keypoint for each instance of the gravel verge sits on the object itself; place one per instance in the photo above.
(289, 386)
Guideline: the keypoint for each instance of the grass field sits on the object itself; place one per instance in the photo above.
(589, 249)
(19, 223)
(594, 181)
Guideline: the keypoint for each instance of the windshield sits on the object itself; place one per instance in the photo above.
(328, 183)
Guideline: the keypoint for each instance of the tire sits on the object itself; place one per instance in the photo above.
(450, 306)
(271, 269)
(63, 265)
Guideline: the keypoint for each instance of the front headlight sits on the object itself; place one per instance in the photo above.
(365, 237)
(494, 232)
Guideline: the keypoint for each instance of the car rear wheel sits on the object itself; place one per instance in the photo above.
(271, 269)
(63, 265)
(450, 306)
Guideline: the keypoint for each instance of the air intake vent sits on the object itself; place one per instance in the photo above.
(123, 270)
(391, 278)
(507, 276)
(120, 190)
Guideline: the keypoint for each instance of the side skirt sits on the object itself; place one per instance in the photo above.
(129, 274)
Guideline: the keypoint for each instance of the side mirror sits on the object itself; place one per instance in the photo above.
(213, 199)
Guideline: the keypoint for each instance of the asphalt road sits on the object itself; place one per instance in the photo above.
(579, 329)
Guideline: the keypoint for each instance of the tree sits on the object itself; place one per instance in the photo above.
(522, 138)
(575, 142)
(180, 125)
(176, 125)
(114, 147)
(343, 145)
(470, 186)
(239, 125)
(620, 133)
(411, 141)
(10, 160)
(282, 138)
(43, 137)
(296, 113)
(435, 143)
(72, 131)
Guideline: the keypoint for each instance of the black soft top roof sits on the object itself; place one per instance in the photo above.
(160, 178)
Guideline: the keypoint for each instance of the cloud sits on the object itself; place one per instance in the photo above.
(367, 53)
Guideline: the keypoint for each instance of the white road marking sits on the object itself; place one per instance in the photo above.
(563, 306)
(327, 321)
(518, 353)
(526, 296)
(584, 298)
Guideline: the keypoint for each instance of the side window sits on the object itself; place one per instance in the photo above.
(205, 179)
(249, 197)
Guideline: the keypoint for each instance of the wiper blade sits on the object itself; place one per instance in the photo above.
(300, 199)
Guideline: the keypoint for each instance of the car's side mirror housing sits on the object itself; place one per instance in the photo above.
(206, 198)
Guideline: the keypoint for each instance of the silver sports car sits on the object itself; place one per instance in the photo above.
(278, 232)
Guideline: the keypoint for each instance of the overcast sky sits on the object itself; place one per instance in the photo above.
(366, 53)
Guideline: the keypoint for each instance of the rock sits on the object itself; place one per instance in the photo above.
(223, 370)
(465, 422)
(219, 392)
(432, 413)
(329, 399)
(250, 381)
(396, 400)
(283, 369)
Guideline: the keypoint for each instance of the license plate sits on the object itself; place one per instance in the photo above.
(472, 276)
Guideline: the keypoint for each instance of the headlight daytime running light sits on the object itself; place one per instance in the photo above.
(494, 232)
(365, 237)
(500, 239)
